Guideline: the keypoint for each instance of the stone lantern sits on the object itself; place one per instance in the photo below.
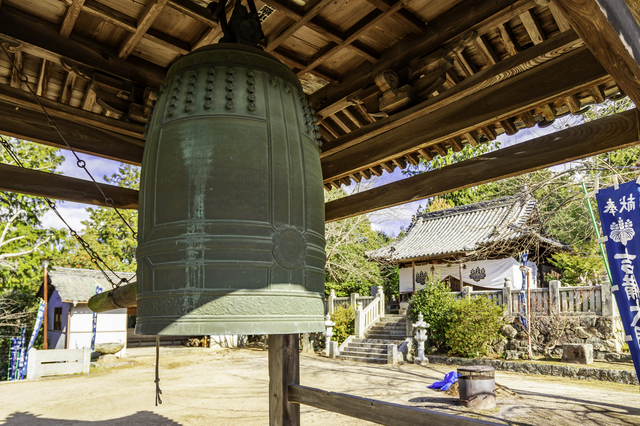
(421, 337)
(327, 333)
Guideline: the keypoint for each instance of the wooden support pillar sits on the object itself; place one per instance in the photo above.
(284, 370)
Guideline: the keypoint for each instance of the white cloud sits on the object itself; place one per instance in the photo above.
(72, 213)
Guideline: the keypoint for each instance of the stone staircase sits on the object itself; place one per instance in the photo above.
(390, 330)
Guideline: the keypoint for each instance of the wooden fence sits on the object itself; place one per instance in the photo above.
(333, 302)
(58, 362)
(592, 300)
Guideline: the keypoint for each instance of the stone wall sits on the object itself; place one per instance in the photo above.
(604, 333)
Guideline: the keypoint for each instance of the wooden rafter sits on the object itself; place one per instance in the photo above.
(576, 70)
(606, 134)
(530, 23)
(478, 15)
(609, 29)
(42, 39)
(406, 18)
(300, 22)
(149, 14)
(506, 68)
(70, 17)
(43, 184)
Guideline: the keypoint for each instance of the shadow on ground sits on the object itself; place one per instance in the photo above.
(141, 418)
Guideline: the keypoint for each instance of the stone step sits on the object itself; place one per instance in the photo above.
(397, 334)
(359, 347)
(378, 327)
(363, 354)
(363, 359)
(393, 318)
(372, 341)
(380, 336)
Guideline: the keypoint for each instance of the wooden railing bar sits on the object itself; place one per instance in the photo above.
(384, 413)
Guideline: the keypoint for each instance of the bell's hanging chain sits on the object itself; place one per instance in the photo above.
(95, 258)
(79, 162)
(157, 381)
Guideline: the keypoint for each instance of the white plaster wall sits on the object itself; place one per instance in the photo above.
(111, 327)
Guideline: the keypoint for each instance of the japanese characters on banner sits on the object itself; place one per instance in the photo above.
(16, 356)
(34, 334)
(620, 217)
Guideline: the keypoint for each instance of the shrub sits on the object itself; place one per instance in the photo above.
(473, 325)
(434, 301)
(345, 319)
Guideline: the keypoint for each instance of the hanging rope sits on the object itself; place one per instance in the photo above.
(157, 381)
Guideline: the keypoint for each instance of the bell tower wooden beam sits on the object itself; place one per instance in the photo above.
(610, 31)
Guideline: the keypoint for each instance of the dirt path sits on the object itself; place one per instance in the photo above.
(230, 388)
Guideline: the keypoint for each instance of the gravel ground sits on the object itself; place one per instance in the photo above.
(230, 388)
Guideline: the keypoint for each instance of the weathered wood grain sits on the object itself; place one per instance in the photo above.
(149, 14)
(284, 370)
(487, 77)
(71, 17)
(43, 184)
(611, 32)
(606, 134)
(42, 39)
(575, 71)
(32, 125)
(384, 413)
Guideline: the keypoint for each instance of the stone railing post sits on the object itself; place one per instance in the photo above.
(333, 349)
(359, 329)
(380, 294)
(554, 297)
(330, 301)
(466, 292)
(328, 332)
(608, 308)
(353, 300)
(392, 354)
(506, 296)
(421, 336)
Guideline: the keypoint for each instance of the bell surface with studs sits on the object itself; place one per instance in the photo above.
(231, 216)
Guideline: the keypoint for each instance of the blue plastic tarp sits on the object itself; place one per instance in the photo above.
(443, 385)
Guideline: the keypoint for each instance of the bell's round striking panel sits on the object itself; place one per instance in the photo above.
(231, 216)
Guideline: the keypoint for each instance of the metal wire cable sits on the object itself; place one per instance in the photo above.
(95, 257)
(79, 162)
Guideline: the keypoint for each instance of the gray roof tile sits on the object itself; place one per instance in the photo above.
(79, 285)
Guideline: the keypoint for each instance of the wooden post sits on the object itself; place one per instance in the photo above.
(284, 369)
(45, 286)
(554, 297)
(529, 315)
(460, 275)
(413, 275)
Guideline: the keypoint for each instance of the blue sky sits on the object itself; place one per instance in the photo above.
(390, 220)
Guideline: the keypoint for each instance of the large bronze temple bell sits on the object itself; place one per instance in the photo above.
(231, 220)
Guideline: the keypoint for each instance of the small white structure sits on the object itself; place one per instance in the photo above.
(70, 321)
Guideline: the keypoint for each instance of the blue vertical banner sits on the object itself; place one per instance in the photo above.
(523, 290)
(14, 355)
(620, 219)
(95, 323)
(34, 334)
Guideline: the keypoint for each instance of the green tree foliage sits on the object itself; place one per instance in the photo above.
(345, 319)
(472, 325)
(347, 268)
(578, 269)
(434, 301)
(106, 232)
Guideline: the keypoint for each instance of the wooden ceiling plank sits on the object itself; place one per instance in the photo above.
(527, 119)
(112, 16)
(376, 170)
(388, 167)
(32, 125)
(508, 67)
(532, 26)
(610, 31)
(70, 17)
(167, 41)
(404, 17)
(455, 143)
(43, 40)
(509, 41)
(439, 149)
(471, 138)
(149, 14)
(509, 126)
(489, 132)
(573, 72)
(400, 162)
(466, 64)
(193, 10)
(597, 94)
(606, 134)
(424, 154)
(369, 21)
(486, 50)
(467, 15)
(59, 187)
(291, 29)
(207, 38)
(560, 16)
